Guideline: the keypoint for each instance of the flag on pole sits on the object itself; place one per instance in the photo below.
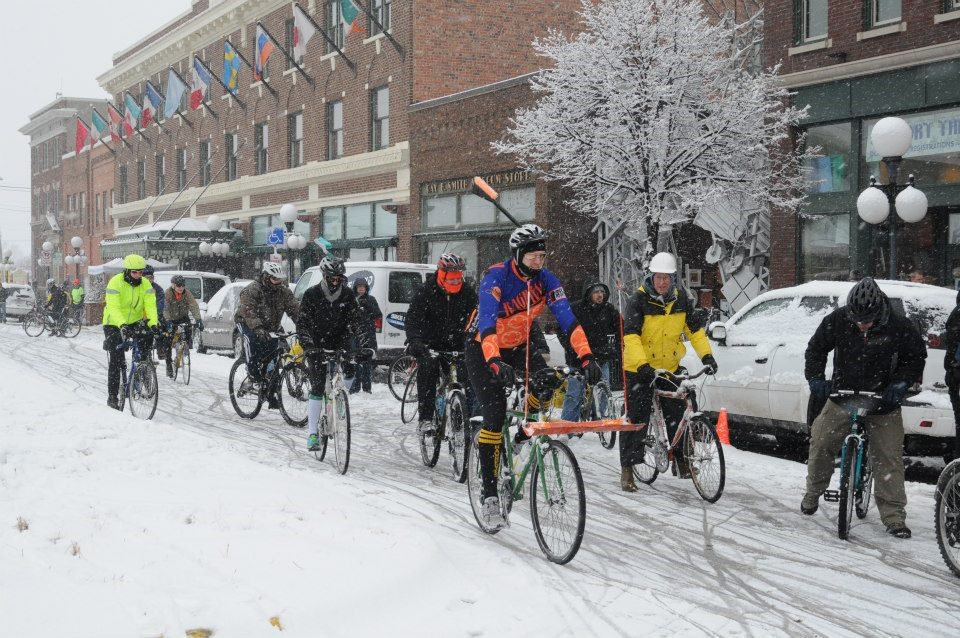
(200, 84)
(175, 90)
(131, 117)
(83, 133)
(99, 128)
(303, 30)
(349, 13)
(116, 121)
(151, 104)
(231, 67)
(263, 47)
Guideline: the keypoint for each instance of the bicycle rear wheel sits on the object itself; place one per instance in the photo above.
(409, 405)
(400, 371)
(71, 327)
(143, 391)
(458, 433)
(947, 516)
(245, 395)
(865, 490)
(341, 431)
(704, 455)
(654, 456)
(604, 408)
(430, 445)
(847, 488)
(294, 395)
(475, 486)
(184, 358)
(34, 325)
(558, 505)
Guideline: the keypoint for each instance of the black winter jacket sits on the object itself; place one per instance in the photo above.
(952, 342)
(438, 320)
(371, 313)
(330, 324)
(890, 351)
(600, 322)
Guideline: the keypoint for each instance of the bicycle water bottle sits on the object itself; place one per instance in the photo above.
(440, 404)
(271, 366)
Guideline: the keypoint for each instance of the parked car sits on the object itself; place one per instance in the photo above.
(203, 285)
(219, 330)
(392, 284)
(20, 300)
(760, 352)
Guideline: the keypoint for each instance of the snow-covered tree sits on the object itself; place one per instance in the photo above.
(655, 108)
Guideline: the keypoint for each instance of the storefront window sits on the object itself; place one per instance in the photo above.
(475, 211)
(934, 157)
(521, 202)
(358, 221)
(828, 173)
(466, 248)
(826, 248)
(384, 222)
(333, 223)
(440, 212)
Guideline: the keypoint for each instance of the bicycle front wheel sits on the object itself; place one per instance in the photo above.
(458, 434)
(848, 486)
(430, 444)
(400, 372)
(244, 393)
(558, 505)
(947, 516)
(34, 325)
(865, 490)
(294, 395)
(71, 327)
(341, 431)
(143, 392)
(409, 405)
(704, 455)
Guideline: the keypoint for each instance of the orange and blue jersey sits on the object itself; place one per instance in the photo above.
(501, 319)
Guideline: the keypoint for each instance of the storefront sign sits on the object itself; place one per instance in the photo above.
(462, 184)
(936, 133)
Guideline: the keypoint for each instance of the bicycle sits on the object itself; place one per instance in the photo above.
(286, 377)
(856, 471)
(335, 421)
(558, 505)
(402, 368)
(947, 515)
(140, 388)
(451, 408)
(598, 404)
(180, 352)
(701, 448)
(39, 320)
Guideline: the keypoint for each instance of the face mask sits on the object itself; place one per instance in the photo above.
(451, 281)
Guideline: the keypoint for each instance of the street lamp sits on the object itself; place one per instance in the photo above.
(294, 241)
(78, 257)
(217, 248)
(47, 248)
(891, 138)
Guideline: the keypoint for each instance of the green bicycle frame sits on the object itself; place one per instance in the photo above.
(535, 458)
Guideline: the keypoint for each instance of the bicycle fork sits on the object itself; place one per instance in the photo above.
(834, 495)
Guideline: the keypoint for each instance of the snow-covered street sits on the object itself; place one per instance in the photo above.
(112, 526)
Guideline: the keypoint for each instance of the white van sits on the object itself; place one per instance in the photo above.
(392, 284)
(202, 285)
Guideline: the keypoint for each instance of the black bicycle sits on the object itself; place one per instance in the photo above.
(285, 378)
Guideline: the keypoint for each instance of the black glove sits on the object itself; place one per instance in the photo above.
(895, 393)
(156, 330)
(128, 330)
(819, 388)
(261, 334)
(365, 354)
(645, 375)
(200, 325)
(591, 369)
(501, 370)
(417, 348)
(710, 363)
(349, 369)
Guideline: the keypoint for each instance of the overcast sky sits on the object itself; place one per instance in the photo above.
(57, 46)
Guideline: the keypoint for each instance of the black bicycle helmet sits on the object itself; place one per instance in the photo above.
(865, 301)
(331, 266)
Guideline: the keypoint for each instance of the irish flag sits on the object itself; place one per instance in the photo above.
(349, 13)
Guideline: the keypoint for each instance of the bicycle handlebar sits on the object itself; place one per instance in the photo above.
(666, 374)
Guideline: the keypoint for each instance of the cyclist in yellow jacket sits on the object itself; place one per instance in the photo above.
(129, 299)
(656, 318)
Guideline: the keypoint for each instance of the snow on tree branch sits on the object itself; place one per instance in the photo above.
(654, 105)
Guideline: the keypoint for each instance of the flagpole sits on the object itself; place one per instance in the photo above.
(219, 81)
(326, 37)
(287, 55)
(382, 30)
(272, 90)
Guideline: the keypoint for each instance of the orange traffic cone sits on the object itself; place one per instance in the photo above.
(723, 428)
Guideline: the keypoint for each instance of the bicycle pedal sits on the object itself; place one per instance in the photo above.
(832, 496)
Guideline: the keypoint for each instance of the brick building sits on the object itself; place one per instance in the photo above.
(855, 62)
(70, 194)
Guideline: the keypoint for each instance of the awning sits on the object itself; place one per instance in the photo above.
(114, 266)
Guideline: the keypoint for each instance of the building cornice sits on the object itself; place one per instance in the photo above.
(204, 29)
(395, 158)
(868, 66)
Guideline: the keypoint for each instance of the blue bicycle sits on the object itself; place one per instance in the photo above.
(856, 472)
(140, 388)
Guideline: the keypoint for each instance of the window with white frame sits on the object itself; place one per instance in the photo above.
(161, 165)
(335, 130)
(380, 118)
(204, 162)
(230, 154)
(261, 142)
(334, 24)
(181, 168)
(381, 11)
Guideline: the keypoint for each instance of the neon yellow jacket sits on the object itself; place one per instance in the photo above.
(126, 304)
(653, 329)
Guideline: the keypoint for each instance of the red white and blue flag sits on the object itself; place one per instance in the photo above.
(200, 84)
(262, 51)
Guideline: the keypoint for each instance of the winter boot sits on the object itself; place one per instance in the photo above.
(491, 514)
(112, 402)
(899, 531)
(169, 368)
(425, 428)
(626, 480)
(810, 504)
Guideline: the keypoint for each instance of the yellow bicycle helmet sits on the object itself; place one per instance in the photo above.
(134, 262)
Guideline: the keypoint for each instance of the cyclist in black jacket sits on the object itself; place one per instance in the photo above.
(436, 320)
(329, 317)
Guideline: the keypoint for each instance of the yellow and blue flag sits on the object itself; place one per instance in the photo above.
(231, 68)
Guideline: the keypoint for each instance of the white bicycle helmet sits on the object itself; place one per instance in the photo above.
(527, 234)
(273, 270)
(664, 263)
